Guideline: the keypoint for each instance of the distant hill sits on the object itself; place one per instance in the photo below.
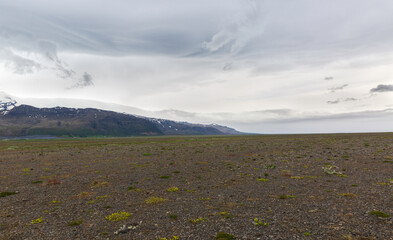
(25, 120)
(169, 127)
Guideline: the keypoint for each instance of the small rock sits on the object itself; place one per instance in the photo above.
(349, 215)
(125, 229)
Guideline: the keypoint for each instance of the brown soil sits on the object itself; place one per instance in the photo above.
(297, 186)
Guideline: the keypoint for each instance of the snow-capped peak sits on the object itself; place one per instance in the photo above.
(6, 103)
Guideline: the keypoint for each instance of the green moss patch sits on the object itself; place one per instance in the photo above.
(5, 194)
(379, 214)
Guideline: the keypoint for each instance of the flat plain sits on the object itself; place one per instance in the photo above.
(333, 186)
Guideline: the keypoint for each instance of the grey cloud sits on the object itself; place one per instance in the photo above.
(334, 102)
(329, 78)
(362, 121)
(24, 65)
(85, 81)
(271, 29)
(334, 89)
(350, 115)
(368, 114)
(227, 67)
(39, 59)
(351, 99)
(19, 65)
(63, 72)
(288, 31)
(128, 28)
(237, 34)
(42, 54)
(382, 88)
(277, 112)
(49, 50)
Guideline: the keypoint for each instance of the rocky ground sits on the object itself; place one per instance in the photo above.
(244, 187)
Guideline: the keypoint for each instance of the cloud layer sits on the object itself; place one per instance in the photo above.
(235, 56)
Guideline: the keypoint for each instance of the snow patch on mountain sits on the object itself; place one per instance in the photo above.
(6, 103)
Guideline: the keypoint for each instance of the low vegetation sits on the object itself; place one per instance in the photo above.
(154, 200)
(379, 214)
(215, 187)
(5, 194)
(224, 236)
(75, 223)
(118, 216)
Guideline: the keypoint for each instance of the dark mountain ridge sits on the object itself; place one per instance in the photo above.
(25, 120)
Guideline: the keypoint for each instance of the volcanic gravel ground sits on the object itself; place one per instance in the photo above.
(251, 187)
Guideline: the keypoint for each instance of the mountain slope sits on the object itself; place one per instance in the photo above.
(26, 120)
(18, 119)
(169, 127)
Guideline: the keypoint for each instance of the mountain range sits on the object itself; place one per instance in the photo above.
(25, 120)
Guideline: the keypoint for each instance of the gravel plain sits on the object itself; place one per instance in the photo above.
(333, 186)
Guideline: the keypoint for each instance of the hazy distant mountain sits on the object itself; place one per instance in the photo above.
(170, 127)
(25, 120)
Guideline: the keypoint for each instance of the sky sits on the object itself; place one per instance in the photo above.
(274, 66)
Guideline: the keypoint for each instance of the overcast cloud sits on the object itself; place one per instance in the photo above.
(207, 57)
(382, 88)
(334, 89)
